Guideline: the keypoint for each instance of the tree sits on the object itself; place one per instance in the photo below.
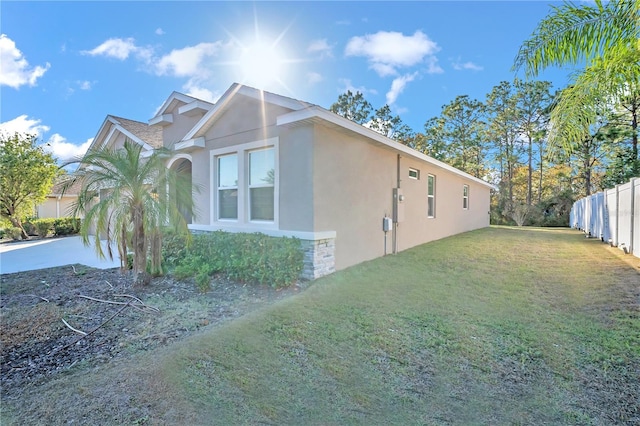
(27, 174)
(533, 104)
(384, 123)
(503, 114)
(126, 199)
(353, 107)
(605, 37)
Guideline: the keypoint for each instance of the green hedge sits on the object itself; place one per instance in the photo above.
(254, 258)
(60, 226)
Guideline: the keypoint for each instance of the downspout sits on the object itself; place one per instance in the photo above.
(395, 228)
(633, 195)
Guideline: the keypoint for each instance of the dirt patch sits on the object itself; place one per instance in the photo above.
(36, 345)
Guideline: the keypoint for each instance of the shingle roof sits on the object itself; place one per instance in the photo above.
(149, 134)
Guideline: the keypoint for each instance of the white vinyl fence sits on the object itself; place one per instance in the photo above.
(612, 215)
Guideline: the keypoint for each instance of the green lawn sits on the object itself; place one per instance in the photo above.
(497, 326)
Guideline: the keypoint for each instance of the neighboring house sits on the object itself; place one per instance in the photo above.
(112, 133)
(58, 203)
(271, 164)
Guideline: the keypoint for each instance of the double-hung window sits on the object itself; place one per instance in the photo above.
(245, 181)
(228, 186)
(465, 197)
(431, 196)
(261, 184)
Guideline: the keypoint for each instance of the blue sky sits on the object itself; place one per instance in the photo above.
(65, 66)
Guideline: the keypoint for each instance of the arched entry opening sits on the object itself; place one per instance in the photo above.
(182, 166)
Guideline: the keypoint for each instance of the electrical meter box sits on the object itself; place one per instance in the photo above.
(387, 224)
(398, 205)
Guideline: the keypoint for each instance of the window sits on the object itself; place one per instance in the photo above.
(261, 184)
(228, 186)
(465, 197)
(244, 185)
(431, 196)
(414, 173)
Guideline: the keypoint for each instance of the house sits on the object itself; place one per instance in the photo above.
(59, 203)
(113, 132)
(271, 164)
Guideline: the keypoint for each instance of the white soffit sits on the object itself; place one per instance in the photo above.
(163, 120)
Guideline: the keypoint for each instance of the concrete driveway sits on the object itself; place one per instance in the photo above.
(51, 252)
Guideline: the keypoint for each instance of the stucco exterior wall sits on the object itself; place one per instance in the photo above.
(235, 126)
(54, 207)
(181, 125)
(354, 181)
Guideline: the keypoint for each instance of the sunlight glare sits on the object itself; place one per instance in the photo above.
(261, 65)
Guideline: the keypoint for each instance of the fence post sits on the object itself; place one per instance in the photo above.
(633, 194)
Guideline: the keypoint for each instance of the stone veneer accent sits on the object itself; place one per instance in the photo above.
(319, 258)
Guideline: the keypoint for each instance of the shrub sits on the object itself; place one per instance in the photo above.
(30, 227)
(15, 233)
(254, 258)
(66, 226)
(43, 226)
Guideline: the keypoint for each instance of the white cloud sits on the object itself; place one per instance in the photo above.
(84, 85)
(115, 48)
(192, 88)
(321, 47)
(388, 51)
(64, 150)
(314, 77)
(186, 62)
(15, 70)
(159, 31)
(24, 125)
(397, 87)
(348, 86)
(458, 65)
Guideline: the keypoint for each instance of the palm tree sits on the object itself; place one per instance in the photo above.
(606, 38)
(124, 198)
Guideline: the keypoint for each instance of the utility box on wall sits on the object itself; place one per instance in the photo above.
(398, 205)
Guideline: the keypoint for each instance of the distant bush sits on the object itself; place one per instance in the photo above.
(254, 258)
(15, 233)
(30, 227)
(44, 226)
(66, 226)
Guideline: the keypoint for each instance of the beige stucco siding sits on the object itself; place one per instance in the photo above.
(296, 179)
(353, 191)
(181, 125)
(450, 216)
(55, 207)
(353, 183)
(238, 125)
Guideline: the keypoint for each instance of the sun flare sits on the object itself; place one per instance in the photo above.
(261, 65)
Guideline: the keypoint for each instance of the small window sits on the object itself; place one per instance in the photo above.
(465, 197)
(431, 196)
(414, 174)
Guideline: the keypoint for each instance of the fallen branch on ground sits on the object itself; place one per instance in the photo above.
(140, 305)
(73, 329)
(92, 331)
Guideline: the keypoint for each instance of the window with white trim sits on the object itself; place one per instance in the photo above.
(227, 186)
(244, 182)
(261, 184)
(414, 173)
(465, 197)
(431, 196)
